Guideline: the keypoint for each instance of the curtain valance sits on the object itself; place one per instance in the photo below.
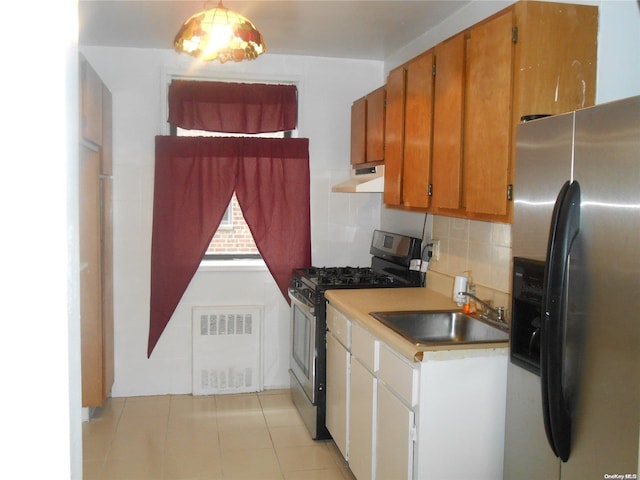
(233, 107)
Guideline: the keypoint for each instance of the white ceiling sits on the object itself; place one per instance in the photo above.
(348, 29)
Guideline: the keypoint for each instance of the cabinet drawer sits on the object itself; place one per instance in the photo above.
(339, 326)
(399, 375)
(364, 347)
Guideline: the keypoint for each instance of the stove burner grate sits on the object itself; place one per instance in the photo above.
(360, 276)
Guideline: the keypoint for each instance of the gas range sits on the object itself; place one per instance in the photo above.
(313, 281)
(395, 263)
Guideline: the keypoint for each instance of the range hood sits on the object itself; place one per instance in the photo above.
(366, 180)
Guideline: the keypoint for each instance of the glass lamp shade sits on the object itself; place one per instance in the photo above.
(219, 34)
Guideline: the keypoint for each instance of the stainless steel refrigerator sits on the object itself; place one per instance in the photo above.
(573, 391)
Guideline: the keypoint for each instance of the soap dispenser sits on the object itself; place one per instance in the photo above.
(460, 285)
(469, 305)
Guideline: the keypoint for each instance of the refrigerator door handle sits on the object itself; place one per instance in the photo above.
(565, 224)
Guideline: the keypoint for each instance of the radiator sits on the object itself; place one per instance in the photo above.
(227, 349)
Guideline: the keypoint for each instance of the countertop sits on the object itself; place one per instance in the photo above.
(357, 303)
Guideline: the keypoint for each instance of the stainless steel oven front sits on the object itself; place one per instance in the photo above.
(303, 344)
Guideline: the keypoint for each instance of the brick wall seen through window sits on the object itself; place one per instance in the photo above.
(234, 236)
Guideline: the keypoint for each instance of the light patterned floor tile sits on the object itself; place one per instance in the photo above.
(312, 457)
(133, 469)
(213, 437)
(192, 465)
(238, 420)
(283, 418)
(192, 407)
(245, 439)
(152, 406)
(276, 401)
(255, 462)
(238, 403)
(137, 445)
(324, 474)
(294, 436)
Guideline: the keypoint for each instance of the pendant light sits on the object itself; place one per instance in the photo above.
(219, 34)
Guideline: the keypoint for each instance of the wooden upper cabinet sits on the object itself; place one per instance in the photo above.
(418, 122)
(375, 125)
(556, 58)
(408, 132)
(359, 131)
(90, 103)
(487, 119)
(367, 128)
(446, 173)
(455, 134)
(394, 137)
(531, 58)
(106, 160)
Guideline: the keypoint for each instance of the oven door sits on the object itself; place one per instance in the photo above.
(303, 344)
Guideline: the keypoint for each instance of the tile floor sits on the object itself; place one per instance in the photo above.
(257, 436)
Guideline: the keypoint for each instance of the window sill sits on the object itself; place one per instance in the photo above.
(243, 265)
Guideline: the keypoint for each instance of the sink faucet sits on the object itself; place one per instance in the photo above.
(496, 313)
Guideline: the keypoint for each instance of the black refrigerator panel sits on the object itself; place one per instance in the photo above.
(526, 313)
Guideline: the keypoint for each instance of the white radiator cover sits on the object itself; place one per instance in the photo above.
(227, 349)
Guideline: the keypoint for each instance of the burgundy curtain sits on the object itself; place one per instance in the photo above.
(233, 107)
(194, 180)
(273, 193)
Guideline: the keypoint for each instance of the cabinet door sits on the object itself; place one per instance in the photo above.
(394, 449)
(95, 192)
(447, 124)
(417, 132)
(90, 278)
(90, 103)
(106, 266)
(487, 127)
(375, 125)
(362, 392)
(394, 137)
(106, 160)
(556, 56)
(358, 131)
(337, 393)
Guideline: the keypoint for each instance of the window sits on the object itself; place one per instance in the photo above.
(272, 174)
(233, 239)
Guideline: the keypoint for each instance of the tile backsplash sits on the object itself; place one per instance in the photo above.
(484, 248)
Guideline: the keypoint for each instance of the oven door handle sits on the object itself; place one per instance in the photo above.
(302, 302)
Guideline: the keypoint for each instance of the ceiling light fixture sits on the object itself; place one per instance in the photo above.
(219, 34)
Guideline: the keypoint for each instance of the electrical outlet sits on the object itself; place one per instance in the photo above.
(435, 250)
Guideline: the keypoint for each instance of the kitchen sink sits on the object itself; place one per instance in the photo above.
(442, 327)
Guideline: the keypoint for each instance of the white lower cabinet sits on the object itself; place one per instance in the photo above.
(362, 404)
(396, 419)
(394, 449)
(337, 393)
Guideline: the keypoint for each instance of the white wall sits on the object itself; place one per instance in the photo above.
(40, 345)
(618, 50)
(341, 223)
